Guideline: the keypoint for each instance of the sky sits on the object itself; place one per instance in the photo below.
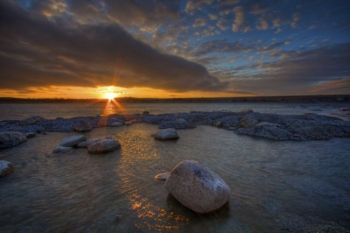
(173, 48)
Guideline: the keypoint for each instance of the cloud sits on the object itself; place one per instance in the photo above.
(199, 22)
(35, 51)
(221, 24)
(238, 20)
(219, 46)
(321, 70)
(262, 25)
(195, 5)
(295, 20)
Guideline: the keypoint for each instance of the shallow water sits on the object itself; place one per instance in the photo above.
(67, 110)
(276, 186)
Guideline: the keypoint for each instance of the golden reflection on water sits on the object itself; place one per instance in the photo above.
(112, 107)
(155, 218)
(139, 155)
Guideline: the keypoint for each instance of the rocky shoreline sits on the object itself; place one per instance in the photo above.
(264, 125)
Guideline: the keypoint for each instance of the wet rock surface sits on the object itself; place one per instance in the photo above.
(166, 134)
(72, 140)
(6, 168)
(103, 145)
(264, 125)
(11, 139)
(197, 187)
(82, 126)
(162, 176)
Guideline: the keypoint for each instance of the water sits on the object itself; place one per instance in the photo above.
(53, 110)
(276, 186)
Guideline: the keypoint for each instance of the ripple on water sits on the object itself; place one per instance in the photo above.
(116, 192)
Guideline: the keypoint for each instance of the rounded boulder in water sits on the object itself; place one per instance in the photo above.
(166, 134)
(103, 145)
(197, 187)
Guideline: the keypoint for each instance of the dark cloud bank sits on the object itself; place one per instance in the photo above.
(35, 51)
(88, 46)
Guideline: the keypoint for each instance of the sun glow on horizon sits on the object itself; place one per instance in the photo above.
(110, 95)
(109, 92)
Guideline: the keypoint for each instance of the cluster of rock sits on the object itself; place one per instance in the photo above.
(196, 186)
(94, 146)
(265, 125)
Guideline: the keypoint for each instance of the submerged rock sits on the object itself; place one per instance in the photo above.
(11, 139)
(6, 168)
(197, 187)
(61, 149)
(72, 140)
(103, 145)
(162, 176)
(176, 124)
(82, 126)
(166, 134)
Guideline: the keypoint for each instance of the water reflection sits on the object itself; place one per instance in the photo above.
(153, 217)
(113, 106)
(276, 186)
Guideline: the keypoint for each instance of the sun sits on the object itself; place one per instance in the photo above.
(110, 95)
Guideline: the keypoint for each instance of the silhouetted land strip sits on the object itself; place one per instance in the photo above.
(282, 99)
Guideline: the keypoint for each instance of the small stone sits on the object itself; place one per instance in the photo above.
(166, 134)
(72, 140)
(6, 168)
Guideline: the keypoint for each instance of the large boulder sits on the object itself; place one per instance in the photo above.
(82, 126)
(197, 187)
(5, 168)
(166, 134)
(103, 145)
(11, 138)
(72, 140)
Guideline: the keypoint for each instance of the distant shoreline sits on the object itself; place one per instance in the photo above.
(281, 99)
